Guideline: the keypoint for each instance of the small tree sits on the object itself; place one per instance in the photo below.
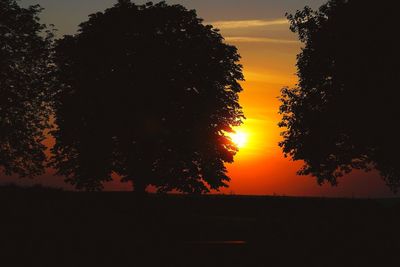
(342, 115)
(24, 89)
(148, 92)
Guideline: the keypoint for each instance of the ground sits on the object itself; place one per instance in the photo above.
(41, 227)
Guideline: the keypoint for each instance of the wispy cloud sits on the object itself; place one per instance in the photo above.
(270, 78)
(236, 24)
(243, 39)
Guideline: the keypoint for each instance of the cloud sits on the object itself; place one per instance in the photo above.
(237, 24)
(269, 78)
(243, 39)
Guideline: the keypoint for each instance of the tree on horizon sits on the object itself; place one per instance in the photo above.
(25, 89)
(342, 114)
(148, 93)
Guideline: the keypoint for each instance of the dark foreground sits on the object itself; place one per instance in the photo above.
(51, 228)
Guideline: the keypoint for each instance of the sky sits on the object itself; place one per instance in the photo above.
(259, 30)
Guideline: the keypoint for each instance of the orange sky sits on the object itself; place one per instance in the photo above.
(268, 49)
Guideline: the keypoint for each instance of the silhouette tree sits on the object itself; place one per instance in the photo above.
(24, 88)
(148, 93)
(342, 115)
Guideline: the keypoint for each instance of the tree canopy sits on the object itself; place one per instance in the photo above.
(148, 93)
(25, 80)
(342, 115)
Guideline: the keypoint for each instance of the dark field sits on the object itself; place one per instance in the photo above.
(54, 228)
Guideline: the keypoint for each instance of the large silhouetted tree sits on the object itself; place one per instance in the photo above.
(24, 88)
(343, 114)
(148, 94)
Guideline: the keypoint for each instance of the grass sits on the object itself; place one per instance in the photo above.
(46, 227)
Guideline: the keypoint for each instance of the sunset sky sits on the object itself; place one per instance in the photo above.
(261, 33)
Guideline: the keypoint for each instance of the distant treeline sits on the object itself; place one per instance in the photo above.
(34, 188)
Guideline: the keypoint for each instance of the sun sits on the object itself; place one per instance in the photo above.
(239, 138)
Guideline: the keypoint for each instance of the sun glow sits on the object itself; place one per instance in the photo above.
(239, 137)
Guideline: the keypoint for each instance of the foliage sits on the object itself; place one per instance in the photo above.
(147, 93)
(24, 88)
(342, 115)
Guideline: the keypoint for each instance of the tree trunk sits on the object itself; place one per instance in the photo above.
(139, 188)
